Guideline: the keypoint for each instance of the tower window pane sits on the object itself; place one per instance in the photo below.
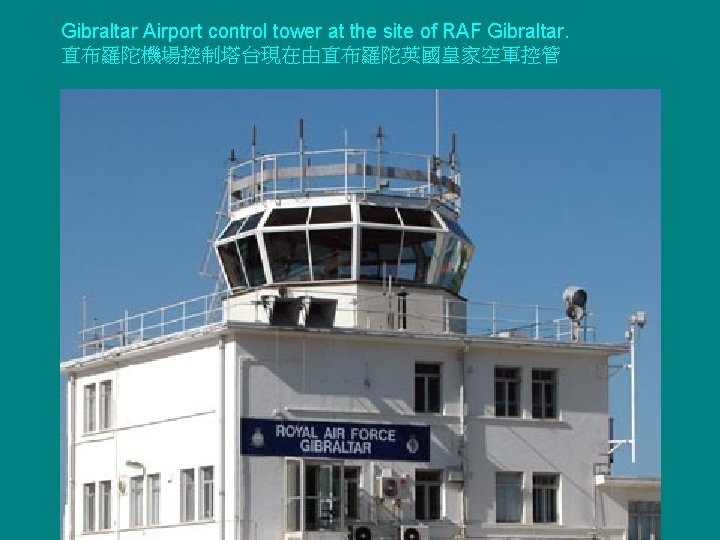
(288, 256)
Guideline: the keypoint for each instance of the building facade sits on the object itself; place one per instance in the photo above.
(342, 388)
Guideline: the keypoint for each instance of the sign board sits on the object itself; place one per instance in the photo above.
(341, 440)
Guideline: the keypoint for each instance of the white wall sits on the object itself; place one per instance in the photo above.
(167, 415)
(164, 417)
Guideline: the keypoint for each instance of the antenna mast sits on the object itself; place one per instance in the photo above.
(437, 122)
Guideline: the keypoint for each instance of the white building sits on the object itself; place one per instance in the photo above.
(344, 389)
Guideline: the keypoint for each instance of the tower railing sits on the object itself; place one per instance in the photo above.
(343, 171)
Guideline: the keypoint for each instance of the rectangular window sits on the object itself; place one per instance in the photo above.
(206, 493)
(427, 388)
(105, 504)
(89, 408)
(153, 507)
(187, 495)
(427, 494)
(507, 392)
(106, 405)
(508, 497)
(88, 507)
(544, 393)
(136, 501)
(644, 520)
(352, 492)
(545, 488)
(293, 496)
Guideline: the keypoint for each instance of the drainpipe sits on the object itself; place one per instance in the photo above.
(463, 434)
(71, 458)
(221, 419)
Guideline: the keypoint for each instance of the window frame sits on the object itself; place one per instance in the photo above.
(137, 501)
(90, 408)
(303, 497)
(543, 493)
(357, 483)
(153, 498)
(105, 505)
(422, 404)
(187, 503)
(89, 506)
(651, 511)
(507, 486)
(504, 400)
(206, 500)
(541, 384)
(425, 491)
(105, 405)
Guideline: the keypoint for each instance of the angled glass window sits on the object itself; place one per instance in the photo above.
(455, 264)
(457, 229)
(230, 260)
(330, 214)
(331, 252)
(414, 217)
(379, 214)
(288, 256)
(232, 228)
(417, 252)
(379, 247)
(250, 253)
(250, 223)
(287, 216)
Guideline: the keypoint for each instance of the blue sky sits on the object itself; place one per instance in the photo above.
(559, 188)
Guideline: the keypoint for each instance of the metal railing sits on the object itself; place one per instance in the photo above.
(443, 316)
(166, 321)
(342, 171)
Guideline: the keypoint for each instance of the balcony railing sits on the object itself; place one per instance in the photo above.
(478, 319)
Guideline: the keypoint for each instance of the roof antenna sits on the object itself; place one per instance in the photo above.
(379, 136)
(302, 156)
(253, 146)
(453, 152)
(437, 122)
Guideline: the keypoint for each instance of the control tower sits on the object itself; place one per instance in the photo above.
(349, 237)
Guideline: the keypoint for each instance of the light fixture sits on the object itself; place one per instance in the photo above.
(135, 464)
(638, 318)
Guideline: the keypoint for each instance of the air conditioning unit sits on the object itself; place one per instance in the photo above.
(360, 532)
(414, 532)
(393, 487)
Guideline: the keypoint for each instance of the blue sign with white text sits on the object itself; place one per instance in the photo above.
(345, 440)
